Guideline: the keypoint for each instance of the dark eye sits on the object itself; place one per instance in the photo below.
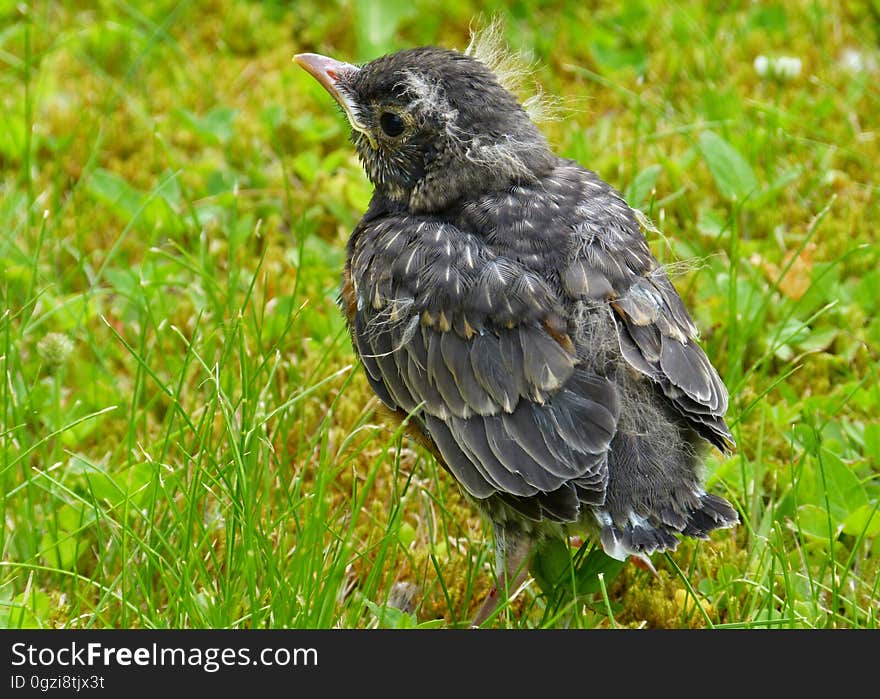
(391, 124)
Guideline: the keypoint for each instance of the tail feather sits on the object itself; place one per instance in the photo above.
(714, 513)
(655, 493)
(642, 537)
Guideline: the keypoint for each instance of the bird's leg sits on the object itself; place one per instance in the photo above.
(512, 551)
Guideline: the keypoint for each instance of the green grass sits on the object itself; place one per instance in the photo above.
(185, 437)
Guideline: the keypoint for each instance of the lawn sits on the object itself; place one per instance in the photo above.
(186, 438)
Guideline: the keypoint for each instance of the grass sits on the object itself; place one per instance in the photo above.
(185, 438)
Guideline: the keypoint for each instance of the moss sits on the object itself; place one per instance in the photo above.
(112, 91)
(663, 601)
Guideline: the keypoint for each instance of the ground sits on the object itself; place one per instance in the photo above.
(186, 439)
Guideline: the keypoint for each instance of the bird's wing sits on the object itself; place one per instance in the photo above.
(475, 346)
(610, 262)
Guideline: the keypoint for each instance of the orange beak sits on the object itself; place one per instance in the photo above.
(328, 72)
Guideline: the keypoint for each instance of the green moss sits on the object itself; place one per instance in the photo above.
(199, 311)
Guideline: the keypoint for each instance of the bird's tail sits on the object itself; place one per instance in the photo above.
(655, 495)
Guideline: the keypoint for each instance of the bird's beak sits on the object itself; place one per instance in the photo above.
(329, 72)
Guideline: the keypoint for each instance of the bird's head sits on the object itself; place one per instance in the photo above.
(432, 124)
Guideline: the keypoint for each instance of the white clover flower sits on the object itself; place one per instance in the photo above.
(788, 67)
(761, 64)
(55, 349)
(782, 67)
(854, 61)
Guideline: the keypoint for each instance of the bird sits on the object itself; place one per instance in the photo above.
(504, 302)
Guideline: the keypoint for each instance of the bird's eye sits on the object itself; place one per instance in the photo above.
(391, 124)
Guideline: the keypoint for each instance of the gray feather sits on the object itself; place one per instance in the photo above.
(456, 355)
(545, 363)
(456, 460)
(471, 434)
(513, 457)
(386, 357)
(523, 428)
(417, 376)
(491, 373)
(686, 367)
(371, 367)
(442, 378)
(510, 350)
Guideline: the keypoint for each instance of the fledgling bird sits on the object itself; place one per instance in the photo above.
(506, 299)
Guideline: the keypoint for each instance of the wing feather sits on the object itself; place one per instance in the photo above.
(658, 338)
(493, 377)
(456, 460)
(457, 356)
(489, 371)
(471, 434)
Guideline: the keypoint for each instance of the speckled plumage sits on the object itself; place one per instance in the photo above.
(507, 299)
